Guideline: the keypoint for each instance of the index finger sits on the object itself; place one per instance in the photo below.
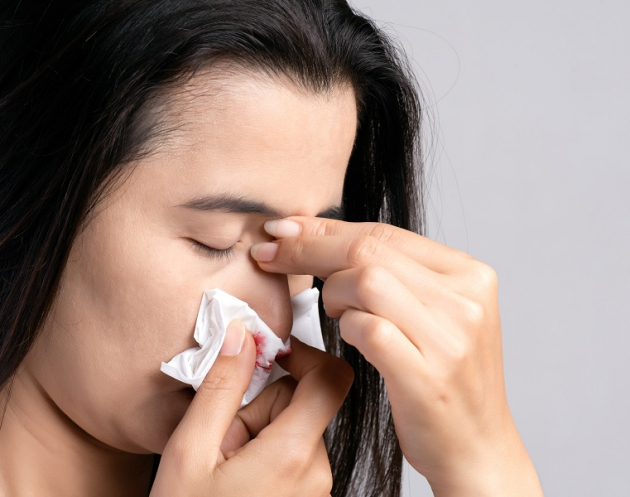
(323, 383)
(434, 255)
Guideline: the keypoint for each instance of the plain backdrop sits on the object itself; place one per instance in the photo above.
(528, 116)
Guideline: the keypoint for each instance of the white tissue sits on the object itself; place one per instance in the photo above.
(216, 311)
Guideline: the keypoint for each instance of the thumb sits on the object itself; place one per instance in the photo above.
(197, 439)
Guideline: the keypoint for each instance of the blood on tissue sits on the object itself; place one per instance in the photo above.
(260, 340)
(285, 353)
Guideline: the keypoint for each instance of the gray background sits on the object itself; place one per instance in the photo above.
(528, 117)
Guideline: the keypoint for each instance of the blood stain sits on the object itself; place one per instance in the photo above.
(259, 338)
(284, 354)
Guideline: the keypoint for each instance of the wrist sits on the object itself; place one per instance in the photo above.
(506, 470)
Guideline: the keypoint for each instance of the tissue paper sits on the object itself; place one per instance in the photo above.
(216, 311)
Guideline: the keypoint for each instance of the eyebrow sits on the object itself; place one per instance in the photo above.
(242, 205)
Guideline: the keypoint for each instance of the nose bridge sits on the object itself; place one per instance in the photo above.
(268, 294)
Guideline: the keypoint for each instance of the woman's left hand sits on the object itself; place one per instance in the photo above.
(427, 317)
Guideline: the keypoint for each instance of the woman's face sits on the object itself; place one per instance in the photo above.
(134, 280)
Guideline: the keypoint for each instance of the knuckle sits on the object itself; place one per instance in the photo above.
(324, 480)
(370, 282)
(335, 371)
(456, 355)
(473, 312)
(381, 232)
(486, 276)
(483, 277)
(218, 380)
(378, 333)
(321, 228)
(296, 250)
(296, 456)
(363, 250)
(458, 349)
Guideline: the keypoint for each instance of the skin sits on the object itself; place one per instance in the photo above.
(427, 317)
(89, 403)
(424, 314)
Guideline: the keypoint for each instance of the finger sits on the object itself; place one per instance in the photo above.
(434, 255)
(323, 256)
(375, 290)
(261, 411)
(323, 383)
(384, 346)
(197, 439)
(367, 287)
(294, 469)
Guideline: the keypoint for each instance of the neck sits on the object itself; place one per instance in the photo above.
(43, 452)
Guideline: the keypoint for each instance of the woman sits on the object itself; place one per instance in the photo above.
(149, 151)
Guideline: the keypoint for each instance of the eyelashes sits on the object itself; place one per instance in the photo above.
(225, 254)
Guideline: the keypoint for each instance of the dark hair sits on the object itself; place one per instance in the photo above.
(75, 76)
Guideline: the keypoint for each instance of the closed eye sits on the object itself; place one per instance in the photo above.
(213, 252)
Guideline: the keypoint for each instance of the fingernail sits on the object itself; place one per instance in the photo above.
(234, 339)
(282, 227)
(264, 252)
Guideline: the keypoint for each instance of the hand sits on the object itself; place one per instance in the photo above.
(427, 317)
(210, 451)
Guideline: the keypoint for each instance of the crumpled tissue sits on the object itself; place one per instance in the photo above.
(216, 311)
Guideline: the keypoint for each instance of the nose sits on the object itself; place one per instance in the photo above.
(269, 297)
(267, 294)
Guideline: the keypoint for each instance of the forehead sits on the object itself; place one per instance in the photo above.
(245, 133)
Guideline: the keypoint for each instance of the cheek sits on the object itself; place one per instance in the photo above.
(135, 295)
(122, 310)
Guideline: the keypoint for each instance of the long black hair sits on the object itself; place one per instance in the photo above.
(76, 78)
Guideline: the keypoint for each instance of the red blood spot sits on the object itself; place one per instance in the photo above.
(259, 338)
(284, 354)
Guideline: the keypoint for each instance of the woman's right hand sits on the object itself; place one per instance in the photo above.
(210, 451)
